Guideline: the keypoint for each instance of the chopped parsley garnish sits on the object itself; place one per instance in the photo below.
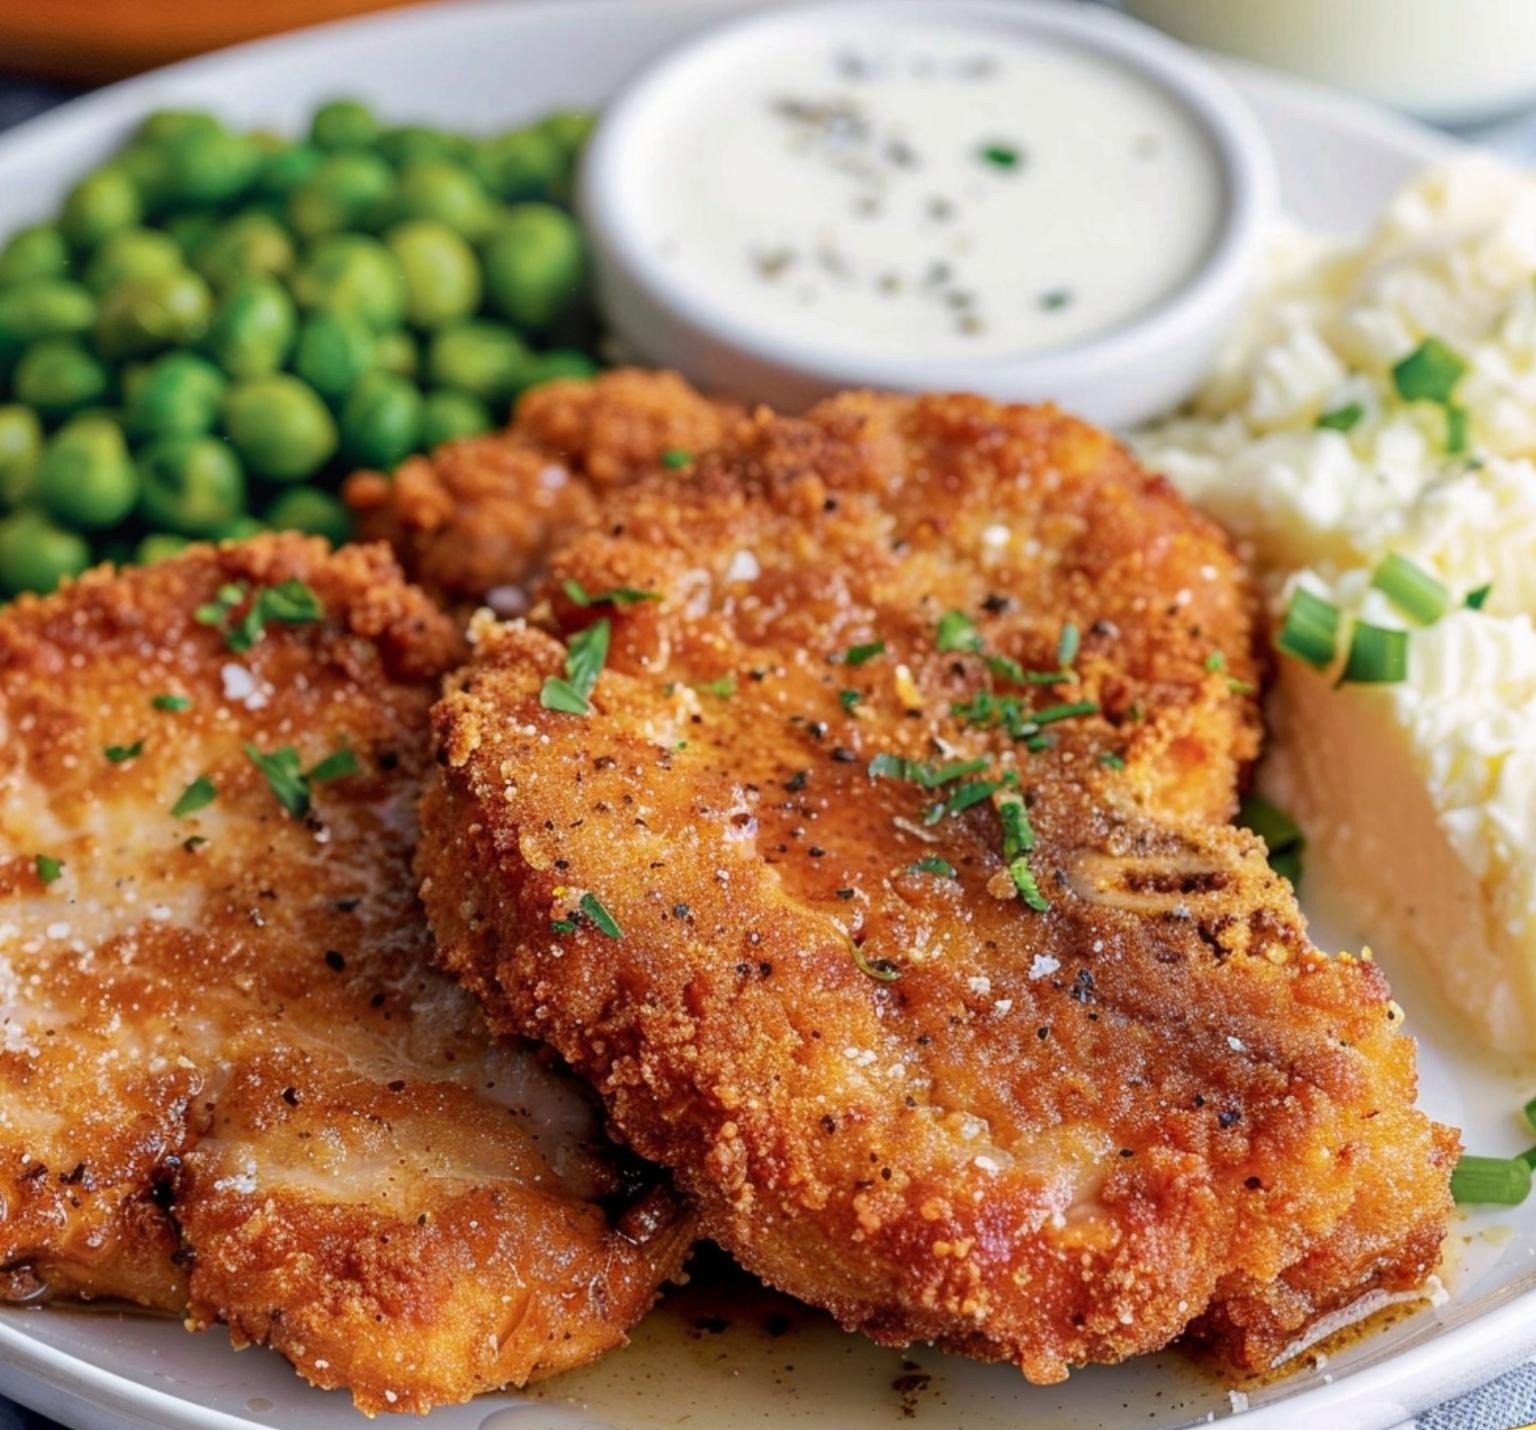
(723, 688)
(1429, 373)
(120, 754)
(584, 660)
(290, 782)
(957, 631)
(1342, 419)
(882, 970)
(1281, 834)
(1068, 645)
(676, 458)
(48, 868)
(1378, 655)
(1410, 588)
(289, 603)
(1216, 660)
(618, 596)
(932, 864)
(199, 793)
(858, 654)
(848, 699)
(1111, 761)
(1476, 599)
(602, 920)
(174, 704)
(1310, 630)
(898, 767)
(999, 155)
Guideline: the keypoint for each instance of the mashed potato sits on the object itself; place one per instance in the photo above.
(1419, 797)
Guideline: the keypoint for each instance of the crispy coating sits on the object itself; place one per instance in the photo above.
(231, 1085)
(480, 514)
(897, 1090)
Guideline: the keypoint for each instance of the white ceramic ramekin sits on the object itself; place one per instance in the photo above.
(1118, 378)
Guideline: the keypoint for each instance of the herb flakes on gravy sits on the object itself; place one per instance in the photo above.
(1372, 434)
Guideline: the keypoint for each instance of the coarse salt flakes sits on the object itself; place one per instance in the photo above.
(1042, 967)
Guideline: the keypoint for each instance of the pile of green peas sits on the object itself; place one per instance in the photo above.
(219, 325)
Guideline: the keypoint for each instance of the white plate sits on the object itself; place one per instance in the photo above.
(487, 66)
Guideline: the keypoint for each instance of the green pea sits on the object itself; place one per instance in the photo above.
(534, 265)
(311, 510)
(209, 167)
(250, 244)
(448, 192)
(177, 395)
(480, 358)
(164, 124)
(252, 328)
(133, 253)
(21, 444)
(35, 555)
(559, 364)
(350, 189)
(86, 478)
(100, 204)
(190, 485)
(158, 546)
(242, 528)
(526, 164)
(58, 376)
(446, 415)
(415, 143)
(355, 274)
(332, 353)
(381, 422)
(396, 352)
(569, 128)
(344, 124)
(283, 170)
(149, 313)
(442, 276)
(38, 251)
(280, 428)
(43, 308)
(149, 170)
(190, 230)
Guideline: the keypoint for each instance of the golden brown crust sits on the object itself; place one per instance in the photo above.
(481, 513)
(1057, 1137)
(230, 1083)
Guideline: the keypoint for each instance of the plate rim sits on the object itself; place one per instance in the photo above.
(1418, 1376)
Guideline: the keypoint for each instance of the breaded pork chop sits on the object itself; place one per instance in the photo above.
(885, 892)
(480, 515)
(230, 1083)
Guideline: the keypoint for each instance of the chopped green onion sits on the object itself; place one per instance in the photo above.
(897, 767)
(1024, 881)
(932, 864)
(723, 688)
(602, 920)
(584, 659)
(1458, 423)
(1069, 711)
(848, 699)
(1216, 660)
(1529, 1157)
(1478, 598)
(1491, 1181)
(968, 794)
(1018, 833)
(335, 766)
(882, 970)
(1377, 656)
(1342, 419)
(1036, 743)
(1411, 589)
(957, 631)
(119, 754)
(1068, 645)
(562, 926)
(1000, 156)
(1310, 630)
(197, 794)
(1282, 836)
(172, 703)
(48, 868)
(676, 458)
(1006, 669)
(1111, 761)
(1530, 1113)
(858, 654)
(1429, 373)
(618, 596)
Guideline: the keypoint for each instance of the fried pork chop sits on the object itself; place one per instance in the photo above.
(479, 515)
(230, 1083)
(885, 893)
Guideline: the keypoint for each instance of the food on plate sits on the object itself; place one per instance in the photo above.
(219, 325)
(1371, 435)
(860, 833)
(232, 1085)
(477, 517)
